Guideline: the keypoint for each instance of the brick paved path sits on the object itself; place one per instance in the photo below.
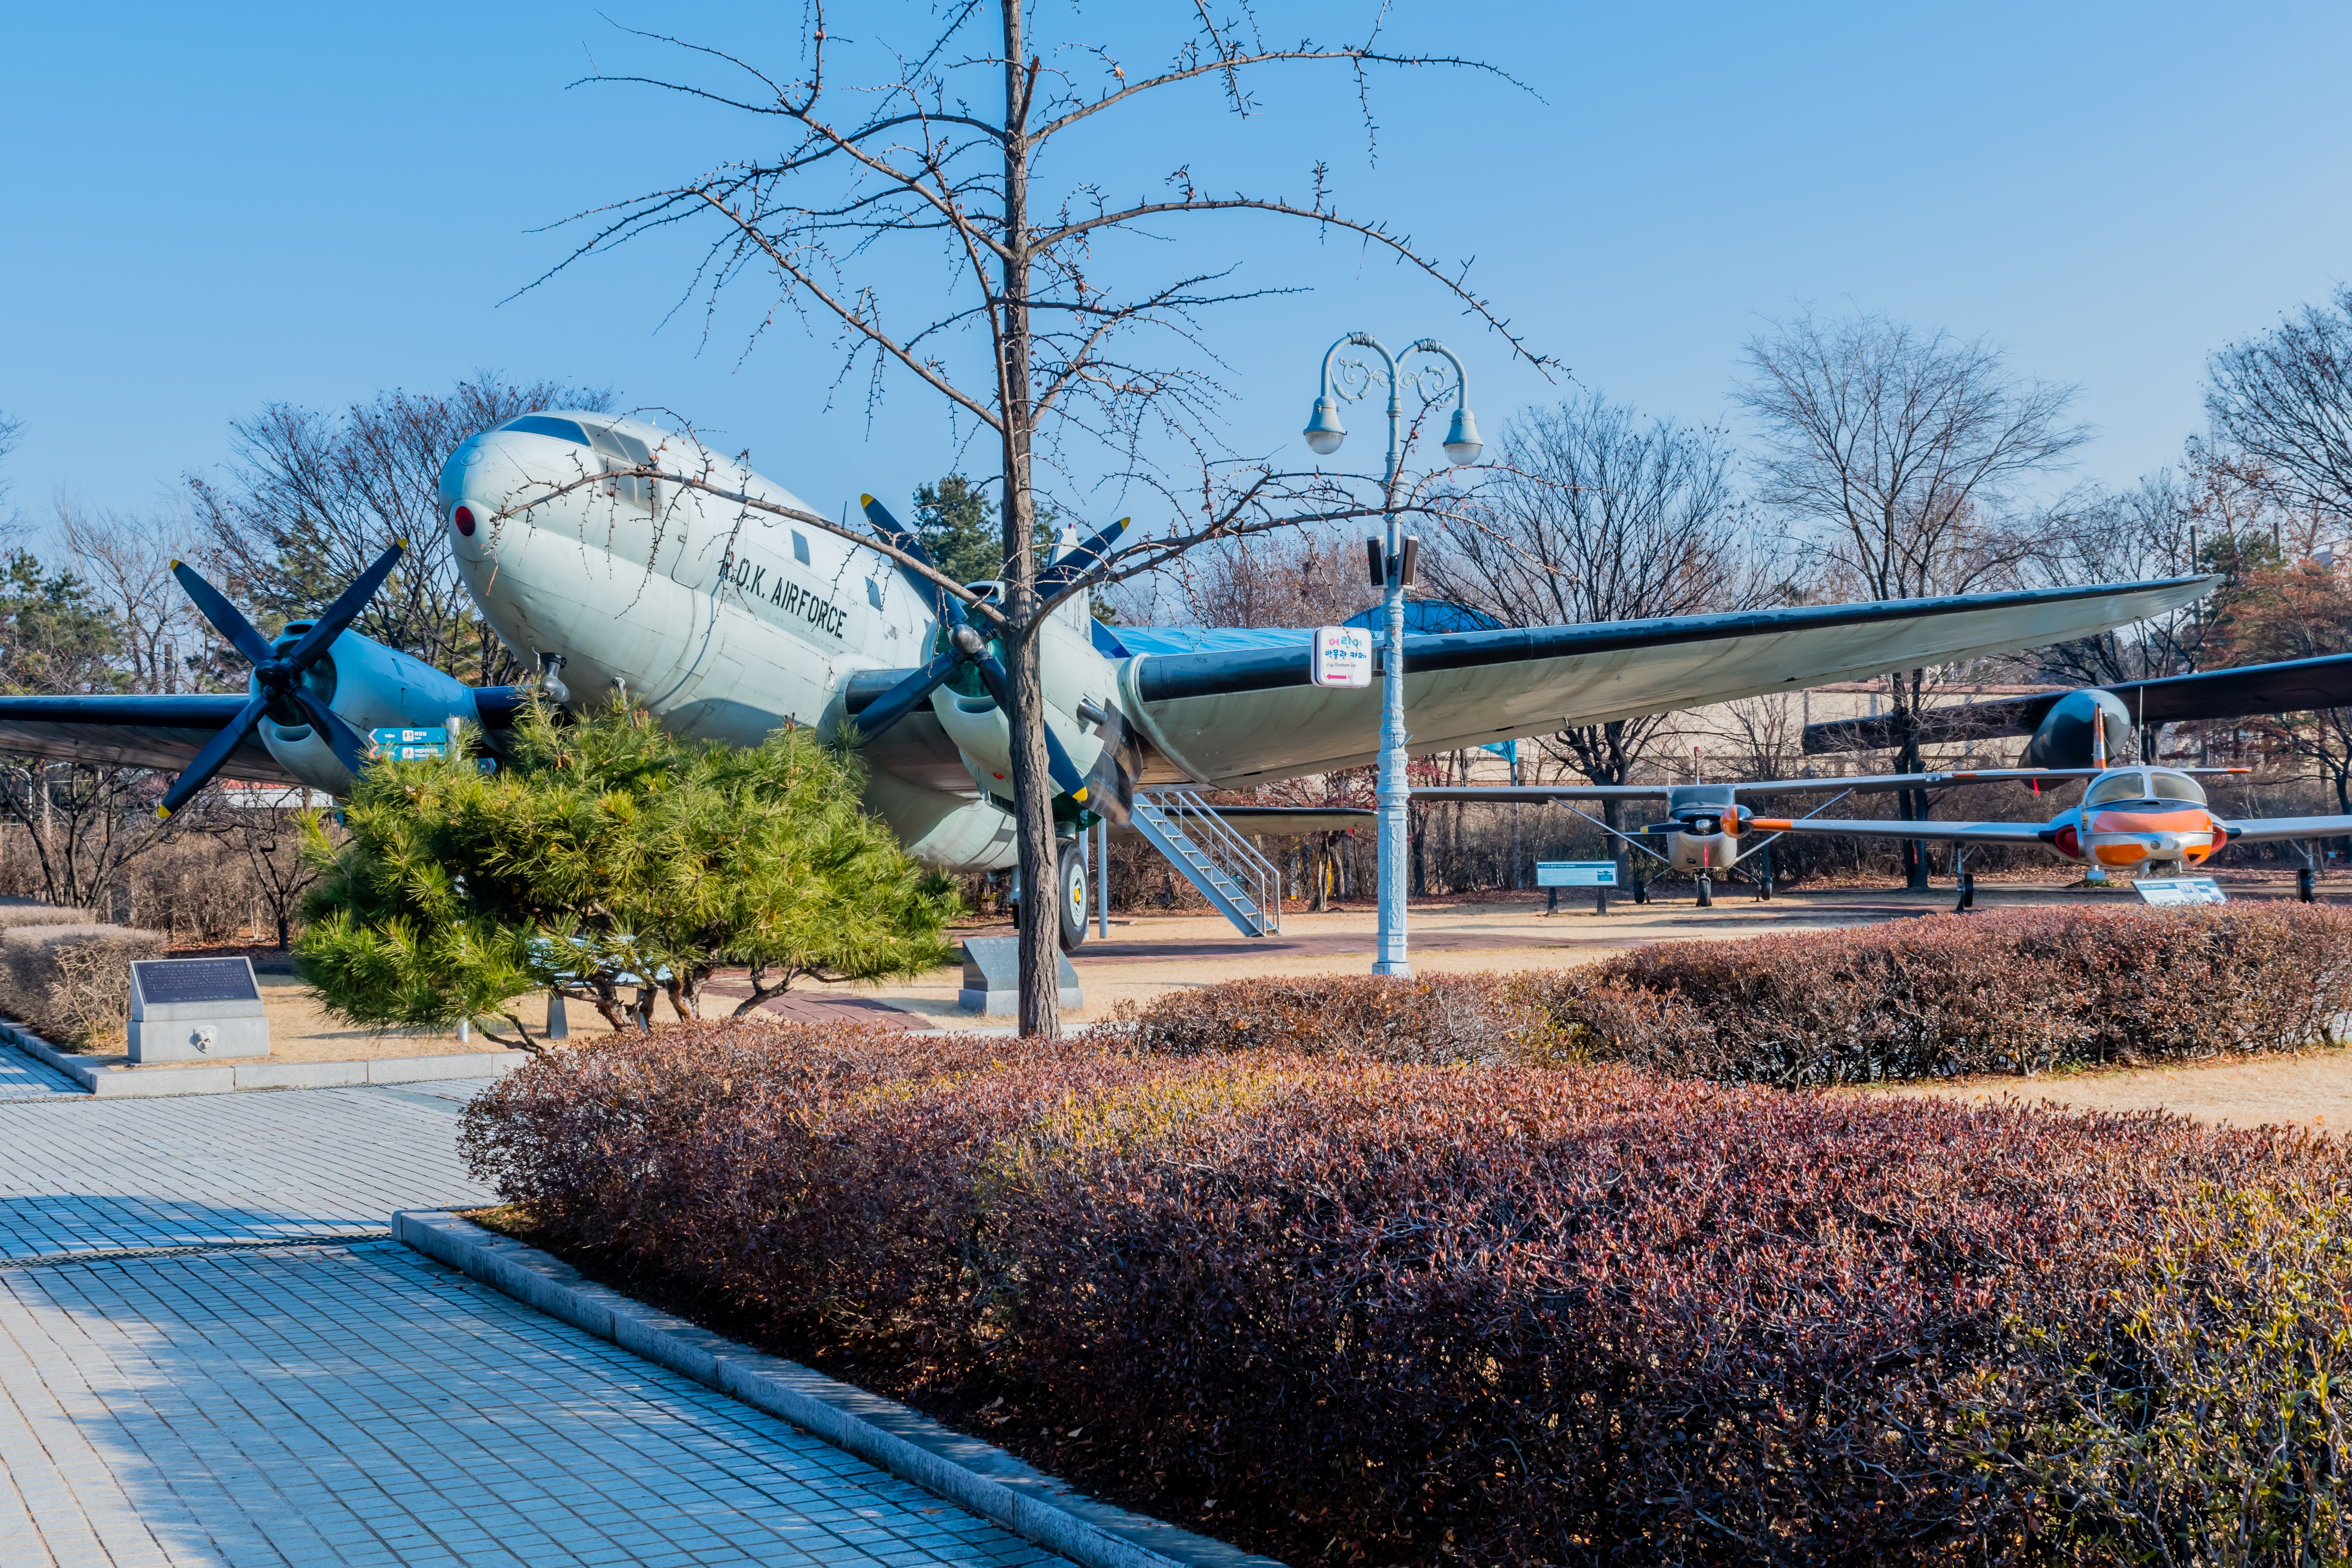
(294, 1391)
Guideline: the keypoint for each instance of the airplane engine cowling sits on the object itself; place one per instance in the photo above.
(301, 751)
(370, 686)
(1701, 851)
(2063, 738)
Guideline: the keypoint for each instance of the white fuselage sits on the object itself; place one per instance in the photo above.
(728, 622)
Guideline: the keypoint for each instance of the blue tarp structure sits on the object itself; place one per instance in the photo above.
(1420, 615)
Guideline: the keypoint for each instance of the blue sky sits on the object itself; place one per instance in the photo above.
(216, 207)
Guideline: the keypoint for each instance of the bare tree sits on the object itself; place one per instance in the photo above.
(124, 562)
(268, 826)
(1287, 580)
(1049, 320)
(2284, 398)
(1596, 514)
(1895, 453)
(309, 500)
(11, 432)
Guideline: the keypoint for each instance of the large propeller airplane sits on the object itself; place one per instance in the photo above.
(591, 560)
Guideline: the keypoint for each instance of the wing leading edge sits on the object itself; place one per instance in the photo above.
(1253, 715)
(163, 732)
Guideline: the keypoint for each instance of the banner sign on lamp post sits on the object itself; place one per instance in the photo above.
(1343, 656)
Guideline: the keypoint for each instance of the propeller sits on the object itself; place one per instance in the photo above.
(965, 646)
(278, 690)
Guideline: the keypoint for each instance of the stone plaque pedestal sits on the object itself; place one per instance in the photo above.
(992, 977)
(196, 1010)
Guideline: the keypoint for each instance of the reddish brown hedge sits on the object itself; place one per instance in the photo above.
(2015, 991)
(2019, 991)
(1427, 1018)
(1394, 1313)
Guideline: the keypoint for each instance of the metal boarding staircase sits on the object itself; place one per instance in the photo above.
(1243, 885)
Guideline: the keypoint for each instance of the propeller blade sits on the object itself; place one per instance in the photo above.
(206, 763)
(901, 538)
(903, 698)
(344, 610)
(350, 747)
(225, 619)
(1052, 577)
(1066, 777)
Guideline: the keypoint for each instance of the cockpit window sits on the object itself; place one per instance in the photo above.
(2116, 786)
(541, 425)
(2176, 786)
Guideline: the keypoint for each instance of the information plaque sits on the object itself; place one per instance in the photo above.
(195, 1009)
(196, 980)
(2168, 891)
(1576, 873)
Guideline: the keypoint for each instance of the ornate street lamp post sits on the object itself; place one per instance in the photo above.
(1351, 378)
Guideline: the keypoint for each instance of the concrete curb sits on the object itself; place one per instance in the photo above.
(965, 1471)
(228, 1077)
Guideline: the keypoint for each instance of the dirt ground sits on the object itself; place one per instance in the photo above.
(1150, 954)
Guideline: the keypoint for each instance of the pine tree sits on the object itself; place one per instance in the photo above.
(613, 862)
(958, 524)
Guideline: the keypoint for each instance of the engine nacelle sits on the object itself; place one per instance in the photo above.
(1708, 852)
(370, 686)
(1081, 690)
(2064, 737)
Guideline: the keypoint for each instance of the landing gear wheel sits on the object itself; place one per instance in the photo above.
(1070, 884)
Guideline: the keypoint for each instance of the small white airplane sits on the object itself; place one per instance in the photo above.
(729, 621)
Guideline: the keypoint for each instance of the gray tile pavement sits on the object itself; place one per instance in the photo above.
(81, 1174)
(22, 1077)
(348, 1402)
(359, 1405)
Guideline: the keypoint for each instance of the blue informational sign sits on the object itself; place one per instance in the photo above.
(407, 745)
(1576, 873)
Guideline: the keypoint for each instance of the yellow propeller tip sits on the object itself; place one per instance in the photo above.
(399, 544)
(175, 563)
(162, 814)
(865, 500)
(1079, 796)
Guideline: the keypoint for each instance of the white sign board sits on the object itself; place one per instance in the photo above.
(1576, 873)
(1343, 656)
(2180, 891)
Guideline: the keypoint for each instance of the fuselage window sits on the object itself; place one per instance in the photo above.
(874, 592)
(2177, 787)
(800, 547)
(541, 425)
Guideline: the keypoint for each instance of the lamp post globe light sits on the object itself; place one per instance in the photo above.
(1346, 379)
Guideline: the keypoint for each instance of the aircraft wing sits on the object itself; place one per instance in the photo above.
(2294, 686)
(1284, 820)
(2256, 830)
(1535, 795)
(163, 732)
(1251, 715)
(1862, 828)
